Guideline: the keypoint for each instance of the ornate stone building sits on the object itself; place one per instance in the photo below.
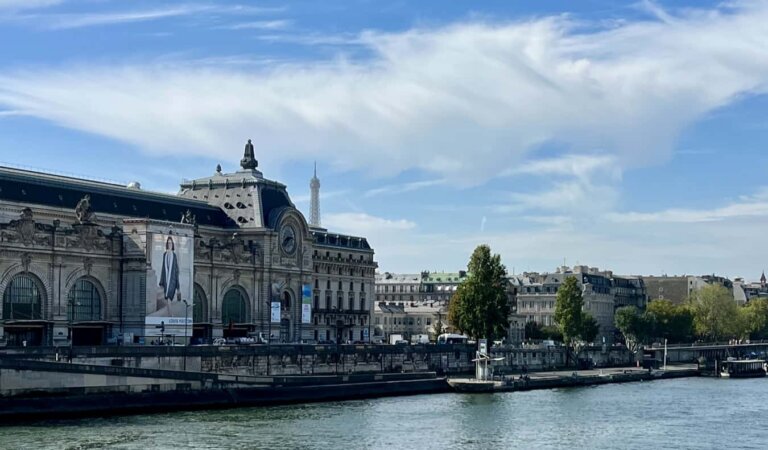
(229, 256)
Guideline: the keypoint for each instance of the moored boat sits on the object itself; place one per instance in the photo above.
(742, 368)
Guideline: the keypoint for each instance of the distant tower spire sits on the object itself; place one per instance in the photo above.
(249, 159)
(314, 202)
(762, 279)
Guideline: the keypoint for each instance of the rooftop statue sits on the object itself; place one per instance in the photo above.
(249, 159)
(83, 210)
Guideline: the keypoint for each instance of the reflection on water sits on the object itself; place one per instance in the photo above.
(688, 413)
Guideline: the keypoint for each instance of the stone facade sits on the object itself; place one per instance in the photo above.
(77, 255)
(603, 292)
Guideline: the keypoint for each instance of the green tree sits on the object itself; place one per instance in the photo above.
(480, 307)
(589, 328)
(552, 332)
(756, 315)
(637, 327)
(715, 314)
(568, 310)
(671, 322)
(577, 327)
(533, 331)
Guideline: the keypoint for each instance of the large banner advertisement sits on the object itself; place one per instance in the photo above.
(170, 283)
(306, 304)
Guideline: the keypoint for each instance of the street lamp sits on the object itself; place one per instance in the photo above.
(186, 316)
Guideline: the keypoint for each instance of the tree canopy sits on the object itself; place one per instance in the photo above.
(636, 326)
(715, 314)
(671, 322)
(568, 310)
(480, 307)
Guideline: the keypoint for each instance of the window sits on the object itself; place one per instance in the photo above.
(351, 300)
(340, 285)
(317, 283)
(362, 301)
(328, 301)
(328, 284)
(83, 302)
(286, 301)
(234, 308)
(22, 299)
(340, 300)
(351, 286)
(199, 305)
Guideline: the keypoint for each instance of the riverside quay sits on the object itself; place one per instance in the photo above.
(89, 263)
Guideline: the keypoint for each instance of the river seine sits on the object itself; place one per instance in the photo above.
(685, 413)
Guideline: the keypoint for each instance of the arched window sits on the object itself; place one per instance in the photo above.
(234, 308)
(83, 302)
(22, 299)
(286, 301)
(340, 300)
(351, 300)
(362, 301)
(199, 305)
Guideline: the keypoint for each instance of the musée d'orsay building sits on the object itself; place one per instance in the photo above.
(228, 256)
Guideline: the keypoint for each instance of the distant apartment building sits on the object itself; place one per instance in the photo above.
(678, 288)
(411, 304)
(744, 292)
(603, 292)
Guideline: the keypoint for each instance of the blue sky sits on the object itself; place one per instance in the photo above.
(629, 136)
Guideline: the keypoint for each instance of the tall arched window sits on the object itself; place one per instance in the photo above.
(351, 300)
(286, 301)
(22, 299)
(83, 302)
(199, 305)
(234, 308)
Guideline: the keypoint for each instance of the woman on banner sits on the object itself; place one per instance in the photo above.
(169, 273)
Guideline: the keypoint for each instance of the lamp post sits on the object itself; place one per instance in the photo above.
(186, 318)
(186, 315)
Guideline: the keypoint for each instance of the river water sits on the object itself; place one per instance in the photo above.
(684, 413)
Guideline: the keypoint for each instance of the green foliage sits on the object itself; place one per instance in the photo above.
(533, 330)
(568, 310)
(672, 322)
(480, 307)
(637, 327)
(716, 315)
(589, 328)
(756, 316)
(552, 332)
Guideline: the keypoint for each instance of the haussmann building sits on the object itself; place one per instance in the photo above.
(90, 263)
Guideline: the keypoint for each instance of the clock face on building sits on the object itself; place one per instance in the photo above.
(288, 239)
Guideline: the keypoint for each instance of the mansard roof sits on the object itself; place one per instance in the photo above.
(31, 187)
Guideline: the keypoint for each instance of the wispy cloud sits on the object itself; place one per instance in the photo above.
(260, 25)
(465, 101)
(18, 5)
(402, 188)
(362, 224)
(746, 207)
(325, 195)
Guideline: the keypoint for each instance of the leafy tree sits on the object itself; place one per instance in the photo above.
(576, 326)
(533, 330)
(756, 315)
(715, 314)
(672, 322)
(568, 310)
(480, 306)
(552, 332)
(589, 328)
(637, 327)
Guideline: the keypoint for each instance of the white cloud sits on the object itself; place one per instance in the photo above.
(361, 224)
(18, 5)
(748, 207)
(402, 188)
(69, 21)
(466, 101)
(261, 25)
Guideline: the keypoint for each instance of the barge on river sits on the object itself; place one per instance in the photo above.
(742, 368)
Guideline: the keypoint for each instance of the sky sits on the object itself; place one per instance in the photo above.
(624, 135)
